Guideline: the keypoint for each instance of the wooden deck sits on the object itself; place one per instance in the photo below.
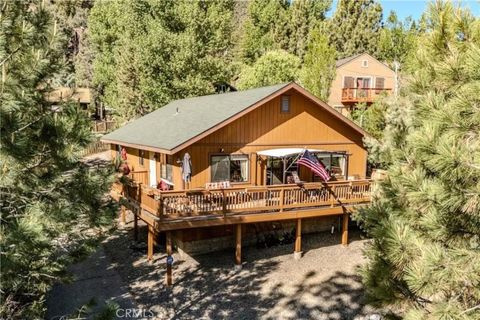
(167, 211)
(368, 95)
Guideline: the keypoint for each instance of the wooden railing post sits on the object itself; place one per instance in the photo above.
(224, 202)
(332, 195)
(160, 206)
(282, 197)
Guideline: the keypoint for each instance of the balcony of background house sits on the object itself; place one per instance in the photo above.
(363, 89)
(368, 95)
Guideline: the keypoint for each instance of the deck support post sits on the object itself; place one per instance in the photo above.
(135, 226)
(238, 246)
(150, 240)
(168, 276)
(123, 215)
(297, 254)
(345, 229)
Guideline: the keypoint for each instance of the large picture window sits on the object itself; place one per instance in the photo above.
(233, 168)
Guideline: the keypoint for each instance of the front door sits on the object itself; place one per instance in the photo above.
(153, 170)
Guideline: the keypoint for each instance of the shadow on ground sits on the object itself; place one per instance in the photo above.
(271, 284)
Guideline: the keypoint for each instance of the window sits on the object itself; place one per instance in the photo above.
(166, 172)
(285, 104)
(365, 63)
(141, 155)
(349, 82)
(379, 85)
(233, 168)
(335, 164)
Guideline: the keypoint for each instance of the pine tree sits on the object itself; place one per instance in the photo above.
(424, 220)
(397, 39)
(266, 28)
(304, 16)
(318, 70)
(150, 52)
(45, 192)
(355, 27)
(273, 67)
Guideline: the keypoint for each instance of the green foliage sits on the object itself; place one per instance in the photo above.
(303, 16)
(318, 70)
(48, 198)
(280, 25)
(266, 21)
(397, 39)
(355, 27)
(425, 218)
(150, 52)
(272, 68)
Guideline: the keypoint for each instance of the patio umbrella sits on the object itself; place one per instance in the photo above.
(186, 168)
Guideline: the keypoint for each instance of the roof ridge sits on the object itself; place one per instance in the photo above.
(281, 84)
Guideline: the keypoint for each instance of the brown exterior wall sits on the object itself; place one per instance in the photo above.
(354, 68)
(306, 125)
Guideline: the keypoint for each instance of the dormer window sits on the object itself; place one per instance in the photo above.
(285, 104)
(365, 63)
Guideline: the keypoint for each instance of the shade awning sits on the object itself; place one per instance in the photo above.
(285, 152)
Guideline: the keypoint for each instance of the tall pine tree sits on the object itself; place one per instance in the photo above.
(318, 70)
(355, 27)
(47, 197)
(150, 52)
(303, 17)
(425, 217)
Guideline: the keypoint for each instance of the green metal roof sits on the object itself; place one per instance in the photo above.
(181, 120)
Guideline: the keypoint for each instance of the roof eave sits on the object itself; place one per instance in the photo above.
(137, 146)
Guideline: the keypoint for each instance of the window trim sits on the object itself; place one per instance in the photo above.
(289, 103)
(210, 155)
(364, 63)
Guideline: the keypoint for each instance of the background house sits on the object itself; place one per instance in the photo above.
(360, 79)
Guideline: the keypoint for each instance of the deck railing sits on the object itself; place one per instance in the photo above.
(363, 94)
(237, 200)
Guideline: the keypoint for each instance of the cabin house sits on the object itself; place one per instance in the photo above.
(360, 79)
(216, 167)
(101, 119)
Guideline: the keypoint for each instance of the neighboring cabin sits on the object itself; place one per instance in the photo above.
(101, 119)
(360, 78)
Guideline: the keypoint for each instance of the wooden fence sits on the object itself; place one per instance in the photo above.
(94, 147)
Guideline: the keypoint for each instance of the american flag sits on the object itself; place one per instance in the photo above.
(310, 161)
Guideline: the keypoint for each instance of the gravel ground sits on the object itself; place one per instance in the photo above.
(271, 285)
